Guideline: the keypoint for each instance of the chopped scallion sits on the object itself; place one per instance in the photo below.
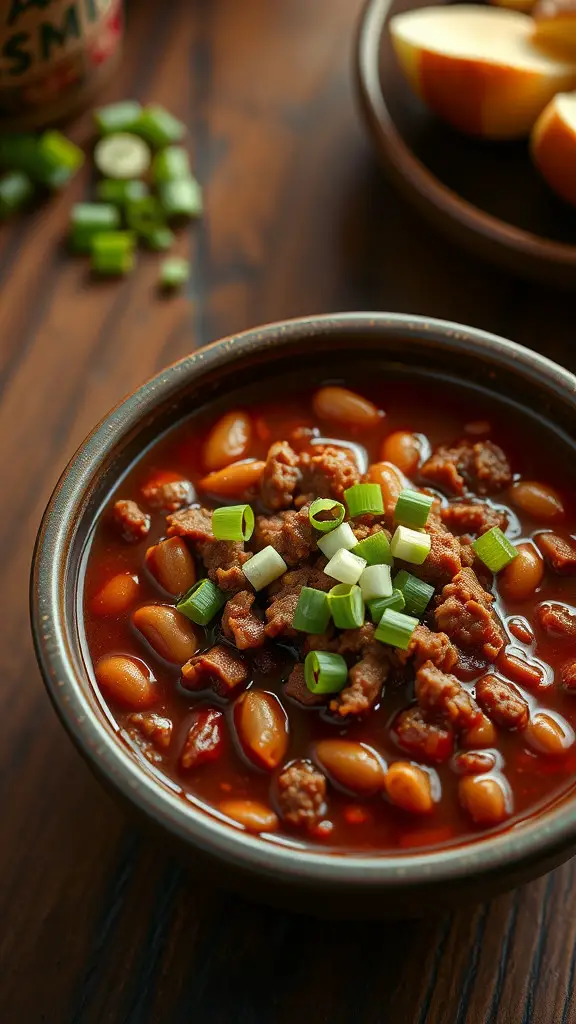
(122, 155)
(375, 549)
(379, 606)
(174, 272)
(264, 567)
(115, 190)
(334, 511)
(181, 198)
(410, 545)
(57, 159)
(325, 672)
(113, 252)
(395, 628)
(160, 239)
(16, 190)
(341, 537)
(363, 499)
(233, 522)
(90, 219)
(144, 215)
(494, 549)
(416, 593)
(346, 606)
(202, 602)
(171, 164)
(345, 567)
(375, 581)
(312, 613)
(413, 508)
(159, 127)
(118, 117)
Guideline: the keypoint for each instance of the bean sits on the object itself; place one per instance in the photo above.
(486, 798)
(402, 449)
(538, 500)
(520, 578)
(128, 681)
(409, 787)
(262, 728)
(228, 441)
(234, 480)
(254, 816)
(339, 405)
(483, 734)
(520, 671)
(171, 563)
(169, 632)
(355, 766)
(391, 481)
(116, 596)
(547, 735)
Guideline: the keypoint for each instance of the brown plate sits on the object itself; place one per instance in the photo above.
(486, 196)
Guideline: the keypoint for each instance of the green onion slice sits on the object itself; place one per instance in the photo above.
(312, 613)
(416, 593)
(159, 127)
(264, 567)
(181, 198)
(363, 499)
(378, 607)
(144, 215)
(233, 522)
(113, 252)
(90, 219)
(375, 582)
(346, 606)
(375, 550)
(410, 545)
(413, 508)
(171, 164)
(341, 537)
(325, 672)
(160, 239)
(336, 508)
(118, 117)
(16, 189)
(57, 159)
(174, 272)
(122, 156)
(114, 190)
(202, 602)
(345, 567)
(395, 628)
(494, 549)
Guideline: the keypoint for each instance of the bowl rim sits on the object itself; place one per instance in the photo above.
(418, 183)
(112, 761)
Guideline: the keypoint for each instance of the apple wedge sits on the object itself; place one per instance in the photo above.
(553, 145)
(478, 68)
(555, 26)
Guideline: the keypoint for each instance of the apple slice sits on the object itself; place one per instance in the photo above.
(553, 145)
(478, 68)
(515, 5)
(556, 26)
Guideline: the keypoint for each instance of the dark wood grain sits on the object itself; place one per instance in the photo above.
(97, 925)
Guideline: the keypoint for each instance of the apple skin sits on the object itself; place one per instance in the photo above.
(553, 149)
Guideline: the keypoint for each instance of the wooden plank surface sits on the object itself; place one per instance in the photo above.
(97, 925)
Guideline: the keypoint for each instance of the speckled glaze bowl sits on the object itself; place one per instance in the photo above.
(313, 879)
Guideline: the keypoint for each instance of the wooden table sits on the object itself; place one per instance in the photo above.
(96, 925)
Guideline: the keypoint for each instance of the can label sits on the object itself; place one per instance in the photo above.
(50, 48)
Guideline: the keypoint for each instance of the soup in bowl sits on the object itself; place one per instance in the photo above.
(313, 604)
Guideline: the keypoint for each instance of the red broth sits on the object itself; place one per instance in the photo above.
(439, 412)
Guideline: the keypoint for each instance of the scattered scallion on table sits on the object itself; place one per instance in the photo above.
(113, 253)
(16, 190)
(122, 156)
(174, 272)
(325, 672)
(123, 116)
(90, 219)
(121, 192)
(159, 127)
(181, 198)
(171, 164)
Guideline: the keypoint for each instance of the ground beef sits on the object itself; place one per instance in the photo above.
(557, 620)
(154, 727)
(301, 794)
(568, 676)
(220, 669)
(223, 559)
(422, 739)
(134, 524)
(482, 465)
(285, 594)
(502, 702)
(464, 613)
(474, 762)
(365, 681)
(301, 437)
(440, 693)
(240, 624)
(426, 646)
(443, 560)
(296, 689)
(169, 494)
(204, 740)
(327, 472)
(366, 526)
(358, 641)
(472, 517)
(321, 642)
(558, 552)
(280, 477)
(289, 533)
